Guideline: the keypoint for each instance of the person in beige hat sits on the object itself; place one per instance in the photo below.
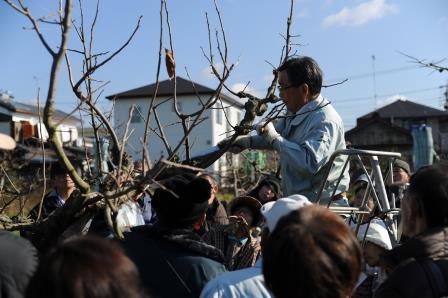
(235, 240)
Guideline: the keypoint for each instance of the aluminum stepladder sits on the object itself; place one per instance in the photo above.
(376, 187)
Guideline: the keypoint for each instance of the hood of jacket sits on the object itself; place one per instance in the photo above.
(183, 237)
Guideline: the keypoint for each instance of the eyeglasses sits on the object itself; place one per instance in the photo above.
(283, 88)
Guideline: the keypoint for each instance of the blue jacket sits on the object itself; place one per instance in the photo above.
(308, 139)
(248, 282)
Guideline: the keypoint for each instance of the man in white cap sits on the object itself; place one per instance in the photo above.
(249, 282)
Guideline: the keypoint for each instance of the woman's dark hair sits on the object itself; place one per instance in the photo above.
(86, 267)
(430, 186)
(271, 182)
(311, 253)
(303, 70)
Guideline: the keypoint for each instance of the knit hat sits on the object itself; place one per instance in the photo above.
(246, 201)
(398, 163)
(273, 211)
(182, 200)
(376, 234)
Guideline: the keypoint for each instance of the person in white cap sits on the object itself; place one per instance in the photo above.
(249, 282)
(376, 242)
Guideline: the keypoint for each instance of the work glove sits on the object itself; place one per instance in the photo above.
(267, 131)
(241, 143)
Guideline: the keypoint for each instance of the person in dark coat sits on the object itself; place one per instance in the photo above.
(267, 190)
(172, 259)
(235, 240)
(216, 212)
(18, 261)
(63, 187)
(420, 266)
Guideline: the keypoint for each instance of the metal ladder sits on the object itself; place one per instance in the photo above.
(376, 186)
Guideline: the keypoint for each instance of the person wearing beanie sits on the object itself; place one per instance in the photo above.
(400, 176)
(235, 240)
(249, 282)
(267, 190)
(172, 259)
(401, 171)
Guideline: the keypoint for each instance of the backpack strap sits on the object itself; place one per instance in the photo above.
(435, 277)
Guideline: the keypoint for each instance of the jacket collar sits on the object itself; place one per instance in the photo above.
(299, 116)
(429, 244)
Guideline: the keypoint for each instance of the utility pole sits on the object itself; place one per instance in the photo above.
(445, 106)
(374, 82)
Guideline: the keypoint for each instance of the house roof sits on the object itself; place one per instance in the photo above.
(166, 88)
(376, 119)
(18, 107)
(405, 109)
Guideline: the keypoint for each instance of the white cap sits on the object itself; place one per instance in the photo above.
(6, 142)
(376, 234)
(273, 211)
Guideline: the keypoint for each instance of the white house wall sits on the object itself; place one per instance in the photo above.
(203, 136)
(67, 129)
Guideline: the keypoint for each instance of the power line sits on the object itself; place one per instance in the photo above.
(386, 95)
(377, 73)
(359, 76)
(351, 108)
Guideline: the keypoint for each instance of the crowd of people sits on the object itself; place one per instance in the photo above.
(272, 241)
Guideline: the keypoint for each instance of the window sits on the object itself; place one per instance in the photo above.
(219, 115)
(238, 117)
(137, 115)
(229, 128)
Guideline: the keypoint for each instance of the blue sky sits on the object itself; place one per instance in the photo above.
(341, 35)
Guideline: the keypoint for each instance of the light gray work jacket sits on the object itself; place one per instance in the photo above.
(308, 139)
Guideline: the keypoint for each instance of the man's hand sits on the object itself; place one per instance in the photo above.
(238, 227)
(241, 143)
(267, 131)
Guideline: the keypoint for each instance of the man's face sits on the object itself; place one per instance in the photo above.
(294, 97)
(400, 175)
(64, 182)
(408, 211)
(214, 189)
(360, 189)
(372, 253)
(265, 194)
